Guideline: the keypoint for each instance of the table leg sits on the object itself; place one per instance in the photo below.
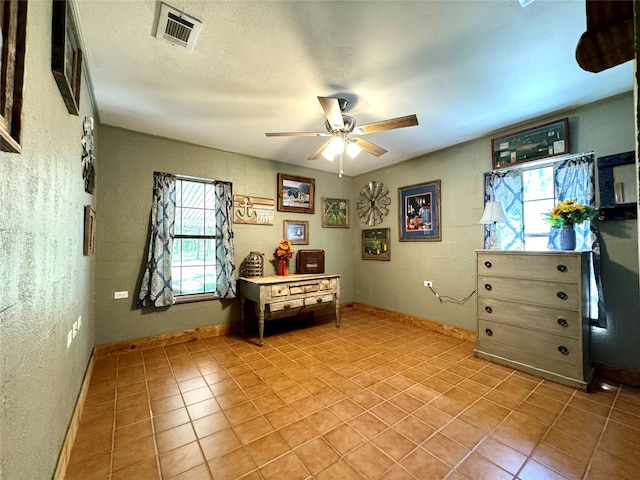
(261, 327)
(337, 313)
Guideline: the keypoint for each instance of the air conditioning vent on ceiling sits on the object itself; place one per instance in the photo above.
(177, 27)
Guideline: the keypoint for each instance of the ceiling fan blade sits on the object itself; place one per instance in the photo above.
(297, 134)
(331, 108)
(367, 146)
(392, 123)
(319, 151)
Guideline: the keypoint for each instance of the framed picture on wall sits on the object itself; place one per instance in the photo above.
(376, 244)
(420, 212)
(335, 212)
(296, 194)
(89, 245)
(297, 232)
(13, 32)
(66, 55)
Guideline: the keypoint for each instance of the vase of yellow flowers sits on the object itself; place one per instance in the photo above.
(567, 214)
(282, 255)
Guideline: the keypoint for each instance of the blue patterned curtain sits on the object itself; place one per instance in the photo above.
(506, 187)
(156, 282)
(225, 258)
(575, 178)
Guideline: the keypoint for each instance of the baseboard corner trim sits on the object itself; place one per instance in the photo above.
(72, 429)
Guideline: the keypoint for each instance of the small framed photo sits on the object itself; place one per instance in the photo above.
(375, 244)
(420, 212)
(296, 194)
(297, 232)
(66, 55)
(335, 213)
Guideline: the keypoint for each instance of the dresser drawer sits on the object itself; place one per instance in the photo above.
(544, 351)
(280, 290)
(552, 320)
(561, 268)
(552, 294)
(303, 288)
(327, 284)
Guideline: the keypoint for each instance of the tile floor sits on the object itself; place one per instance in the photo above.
(373, 399)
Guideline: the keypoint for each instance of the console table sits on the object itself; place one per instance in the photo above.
(289, 295)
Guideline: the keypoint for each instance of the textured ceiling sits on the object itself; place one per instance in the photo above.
(465, 68)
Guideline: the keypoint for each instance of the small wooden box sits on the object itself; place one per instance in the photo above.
(310, 261)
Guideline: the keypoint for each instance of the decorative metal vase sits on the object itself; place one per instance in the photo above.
(254, 264)
(567, 237)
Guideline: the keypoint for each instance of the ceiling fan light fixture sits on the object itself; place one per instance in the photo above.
(353, 150)
(328, 153)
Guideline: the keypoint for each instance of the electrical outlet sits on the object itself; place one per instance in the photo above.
(123, 294)
(428, 283)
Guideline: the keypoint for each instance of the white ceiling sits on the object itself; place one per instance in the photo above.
(465, 68)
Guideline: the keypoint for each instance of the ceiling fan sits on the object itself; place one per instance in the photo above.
(343, 130)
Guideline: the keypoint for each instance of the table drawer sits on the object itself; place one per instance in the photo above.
(561, 268)
(286, 305)
(280, 290)
(319, 300)
(552, 320)
(303, 288)
(327, 284)
(552, 294)
(541, 350)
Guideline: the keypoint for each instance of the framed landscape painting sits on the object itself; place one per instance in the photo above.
(296, 194)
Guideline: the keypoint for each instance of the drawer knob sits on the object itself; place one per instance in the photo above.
(562, 322)
(488, 309)
(488, 286)
(488, 264)
(488, 332)
(562, 295)
(563, 350)
(562, 268)
(287, 306)
(319, 300)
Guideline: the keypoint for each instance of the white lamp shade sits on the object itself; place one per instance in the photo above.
(353, 150)
(493, 213)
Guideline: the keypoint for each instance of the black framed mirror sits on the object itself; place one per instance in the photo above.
(617, 182)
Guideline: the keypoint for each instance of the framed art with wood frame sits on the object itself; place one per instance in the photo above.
(297, 232)
(335, 212)
(376, 244)
(296, 194)
(66, 55)
(547, 140)
(13, 20)
(420, 212)
(89, 245)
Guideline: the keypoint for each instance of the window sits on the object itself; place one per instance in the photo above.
(193, 260)
(538, 197)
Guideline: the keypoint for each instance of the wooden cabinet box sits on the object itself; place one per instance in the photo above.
(310, 261)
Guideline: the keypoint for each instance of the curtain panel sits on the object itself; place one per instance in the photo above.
(225, 255)
(506, 186)
(156, 289)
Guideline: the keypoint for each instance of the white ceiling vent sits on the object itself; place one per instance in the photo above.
(177, 27)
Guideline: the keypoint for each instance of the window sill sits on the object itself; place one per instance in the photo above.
(196, 297)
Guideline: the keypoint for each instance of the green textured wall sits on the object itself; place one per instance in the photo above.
(46, 281)
(125, 182)
(605, 128)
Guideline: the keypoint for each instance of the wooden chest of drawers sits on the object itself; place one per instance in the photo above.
(288, 296)
(533, 313)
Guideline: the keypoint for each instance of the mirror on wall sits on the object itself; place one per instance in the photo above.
(617, 181)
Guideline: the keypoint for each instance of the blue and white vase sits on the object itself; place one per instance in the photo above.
(567, 237)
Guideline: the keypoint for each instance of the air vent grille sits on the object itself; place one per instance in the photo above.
(177, 27)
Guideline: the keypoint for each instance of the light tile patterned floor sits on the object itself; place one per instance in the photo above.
(372, 399)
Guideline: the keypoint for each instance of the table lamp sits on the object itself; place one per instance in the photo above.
(493, 213)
